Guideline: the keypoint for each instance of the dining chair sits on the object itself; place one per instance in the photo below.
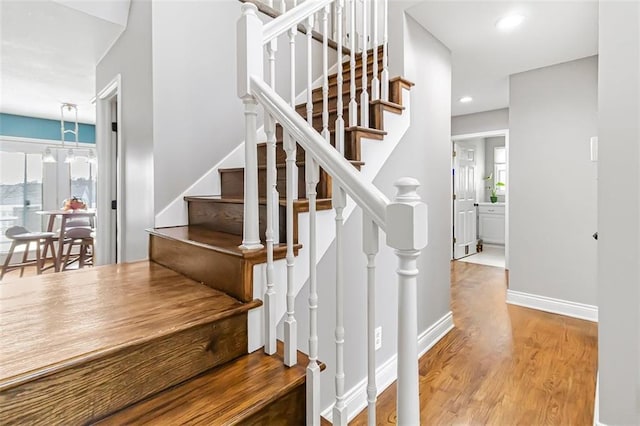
(81, 237)
(20, 236)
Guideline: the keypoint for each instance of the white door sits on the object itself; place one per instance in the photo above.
(464, 200)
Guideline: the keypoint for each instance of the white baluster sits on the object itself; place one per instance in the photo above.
(311, 179)
(353, 104)
(407, 233)
(364, 96)
(290, 324)
(283, 6)
(375, 82)
(384, 82)
(270, 295)
(292, 92)
(339, 127)
(313, 369)
(339, 200)
(309, 29)
(370, 244)
(325, 74)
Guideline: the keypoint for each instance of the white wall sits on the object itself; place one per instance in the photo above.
(130, 56)
(480, 122)
(198, 117)
(552, 115)
(619, 213)
(424, 153)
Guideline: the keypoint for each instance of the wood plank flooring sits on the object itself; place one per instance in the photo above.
(502, 364)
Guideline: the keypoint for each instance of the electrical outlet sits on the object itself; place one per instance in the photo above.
(378, 338)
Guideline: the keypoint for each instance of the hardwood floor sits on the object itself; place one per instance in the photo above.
(502, 364)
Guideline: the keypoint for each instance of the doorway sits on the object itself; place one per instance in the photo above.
(109, 143)
(479, 194)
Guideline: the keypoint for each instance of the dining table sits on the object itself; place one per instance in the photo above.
(64, 216)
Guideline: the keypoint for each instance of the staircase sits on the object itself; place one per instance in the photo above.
(165, 341)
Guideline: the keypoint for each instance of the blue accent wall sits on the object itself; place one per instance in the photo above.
(41, 128)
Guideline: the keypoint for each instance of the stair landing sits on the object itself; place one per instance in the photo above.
(79, 345)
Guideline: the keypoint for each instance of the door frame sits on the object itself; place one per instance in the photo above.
(104, 248)
(490, 133)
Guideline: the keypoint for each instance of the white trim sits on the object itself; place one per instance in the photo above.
(356, 397)
(103, 147)
(433, 334)
(596, 403)
(555, 306)
(176, 213)
(497, 132)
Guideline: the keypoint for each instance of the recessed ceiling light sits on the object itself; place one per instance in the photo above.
(509, 22)
(466, 99)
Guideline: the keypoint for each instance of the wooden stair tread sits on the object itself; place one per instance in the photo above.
(282, 166)
(215, 240)
(388, 104)
(402, 80)
(240, 200)
(362, 129)
(227, 394)
(53, 322)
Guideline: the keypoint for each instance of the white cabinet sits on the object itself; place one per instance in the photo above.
(491, 223)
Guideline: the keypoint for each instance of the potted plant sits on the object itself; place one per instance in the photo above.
(494, 188)
(494, 191)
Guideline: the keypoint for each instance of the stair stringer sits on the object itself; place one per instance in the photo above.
(374, 155)
(176, 214)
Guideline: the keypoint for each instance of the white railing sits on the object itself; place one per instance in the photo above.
(404, 220)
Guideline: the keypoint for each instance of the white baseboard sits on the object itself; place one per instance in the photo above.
(356, 397)
(596, 404)
(556, 306)
(435, 333)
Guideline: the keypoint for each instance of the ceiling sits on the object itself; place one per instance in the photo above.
(484, 57)
(50, 50)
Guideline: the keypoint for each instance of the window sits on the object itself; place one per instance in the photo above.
(20, 192)
(82, 175)
(28, 185)
(500, 168)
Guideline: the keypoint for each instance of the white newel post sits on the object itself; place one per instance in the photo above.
(249, 44)
(407, 233)
(340, 414)
(370, 246)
